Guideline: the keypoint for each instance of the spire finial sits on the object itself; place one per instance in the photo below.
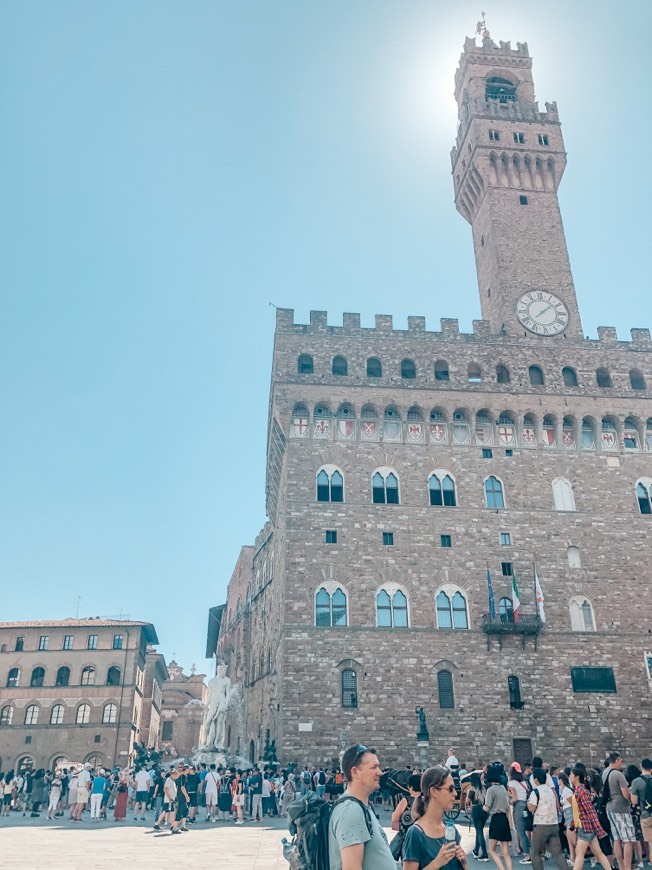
(481, 27)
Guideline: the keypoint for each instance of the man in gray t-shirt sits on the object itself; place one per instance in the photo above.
(618, 811)
(639, 787)
(354, 833)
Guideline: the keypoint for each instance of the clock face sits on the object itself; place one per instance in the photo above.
(542, 313)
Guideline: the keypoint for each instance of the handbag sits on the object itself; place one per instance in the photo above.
(396, 846)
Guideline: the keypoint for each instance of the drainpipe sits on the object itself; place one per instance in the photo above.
(122, 691)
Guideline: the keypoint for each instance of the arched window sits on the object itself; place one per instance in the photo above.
(581, 613)
(549, 431)
(384, 487)
(609, 434)
(499, 89)
(562, 494)
(441, 488)
(644, 495)
(13, 678)
(451, 608)
(300, 421)
(340, 366)
(493, 491)
(514, 689)
(588, 434)
(330, 607)
(603, 378)
(631, 439)
(568, 433)
(408, 370)
(506, 430)
(305, 364)
(637, 380)
(391, 609)
(369, 423)
(574, 557)
(31, 715)
(506, 610)
(113, 676)
(569, 376)
(56, 715)
(392, 425)
(474, 373)
(529, 431)
(374, 368)
(345, 422)
(441, 370)
(88, 676)
(349, 688)
(63, 677)
(502, 374)
(6, 715)
(536, 376)
(83, 714)
(445, 690)
(38, 675)
(109, 714)
(330, 484)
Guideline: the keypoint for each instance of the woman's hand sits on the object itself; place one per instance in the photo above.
(460, 854)
(446, 853)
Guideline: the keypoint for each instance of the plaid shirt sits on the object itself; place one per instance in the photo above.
(589, 821)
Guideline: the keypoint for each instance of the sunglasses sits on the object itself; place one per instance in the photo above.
(450, 788)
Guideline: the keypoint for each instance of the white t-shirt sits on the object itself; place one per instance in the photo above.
(452, 761)
(266, 788)
(546, 805)
(549, 781)
(566, 795)
(84, 779)
(142, 780)
(519, 788)
(170, 789)
(212, 782)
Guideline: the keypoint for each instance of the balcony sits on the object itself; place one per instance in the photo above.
(503, 625)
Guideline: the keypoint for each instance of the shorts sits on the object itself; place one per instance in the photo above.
(82, 796)
(568, 816)
(646, 828)
(622, 827)
(192, 798)
(499, 828)
(211, 798)
(169, 806)
(586, 836)
(6, 799)
(142, 797)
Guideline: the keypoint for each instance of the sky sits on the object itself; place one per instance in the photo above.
(168, 170)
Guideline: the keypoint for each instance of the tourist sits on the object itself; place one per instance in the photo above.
(8, 792)
(192, 788)
(225, 798)
(121, 797)
(402, 817)
(211, 787)
(565, 802)
(588, 827)
(141, 783)
(542, 803)
(256, 796)
(83, 791)
(98, 789)
(319, 782)
(39, 791)
(618, 810)
(638, 788)
(289, 794)
(72, 793)
(237, 798)
(632, 774)
(183, 798)
(518, 793)
(537, 763)
(428, 842)
(170, 792)
(476, 798)
(496, 803)
(355, 838)
(451, 762)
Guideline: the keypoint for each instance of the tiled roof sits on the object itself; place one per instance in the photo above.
(72, 623)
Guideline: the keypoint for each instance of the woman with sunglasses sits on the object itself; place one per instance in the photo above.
(427, 846)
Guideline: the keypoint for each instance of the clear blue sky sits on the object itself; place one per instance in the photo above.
(167, 169)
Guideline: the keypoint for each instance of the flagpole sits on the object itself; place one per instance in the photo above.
(534, 584)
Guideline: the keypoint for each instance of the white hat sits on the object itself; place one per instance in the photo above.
(87, 766)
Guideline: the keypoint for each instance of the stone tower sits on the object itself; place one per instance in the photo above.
(507, 164)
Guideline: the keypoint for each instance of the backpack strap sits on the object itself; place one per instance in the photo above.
(364, 807)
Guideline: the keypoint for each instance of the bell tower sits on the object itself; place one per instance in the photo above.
(507, 165)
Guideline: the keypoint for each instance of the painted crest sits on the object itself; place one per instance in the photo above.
(345, 428)
(506, 436)
(461, 433)
(322, 428)
(529, 437)
(438, 433)
(369, 430)
(300, 427)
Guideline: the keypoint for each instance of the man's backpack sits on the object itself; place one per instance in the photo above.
(605, 795)
(647, 797)
(306, 777)
(309, 817)
(322, 777)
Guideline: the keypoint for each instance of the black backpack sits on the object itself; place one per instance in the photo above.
(309, 818)
(647, 797)
(605, 795)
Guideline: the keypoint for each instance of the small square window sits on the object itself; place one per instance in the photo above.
(67, 641)
(509, 452)
(506, 568)
(331, 536)
(98, 738)
(505, 539)
(117, 641)
(388, 539)
(446, 541)
(494, 136)
(43, 641)
(522, 199)
(487, 453)
(519, 138)
(28, 739)
(543, 139)
(92, 641)
(20, 644)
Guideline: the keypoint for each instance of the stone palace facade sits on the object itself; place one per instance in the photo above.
(406, 465)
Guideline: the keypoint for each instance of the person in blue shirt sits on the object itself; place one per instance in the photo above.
(98, 789)
(428, 844)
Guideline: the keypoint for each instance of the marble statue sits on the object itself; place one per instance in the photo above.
(219, 695)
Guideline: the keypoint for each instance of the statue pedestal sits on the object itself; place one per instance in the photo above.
(423, 746)
(210, 755)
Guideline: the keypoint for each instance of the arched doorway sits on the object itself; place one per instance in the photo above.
(252, 751)
(24, 764)
(95, 761)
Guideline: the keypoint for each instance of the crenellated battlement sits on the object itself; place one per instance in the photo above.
(449, 330)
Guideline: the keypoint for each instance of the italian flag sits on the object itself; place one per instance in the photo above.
(516, 598)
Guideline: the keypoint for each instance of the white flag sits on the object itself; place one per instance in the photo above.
(540, 598)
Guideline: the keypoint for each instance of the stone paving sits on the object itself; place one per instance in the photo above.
(32, 844)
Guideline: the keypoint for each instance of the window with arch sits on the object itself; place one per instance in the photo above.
(13, 678)
(305, 365)
(631, 439)
(442, 372)
(391, 608)
(474, 373)
(349, 688)
(113, 676)
(506, 610)
(38, 675)
(603, 378)
(6, 715)
(514, 689)
(31, 715)
(502, 374)
(644, 495)
(63, 677)
(300, 421)
(446, 695)
(451, 608)
(56, 714)
(574, 557)
(340, 367)
(562, 494)
(83, 716)
(345, 422)
(441, 489)
(568, 433)
(408, 369)
(581, 614)
(330, 484)
(499, 89)
(392, 424)
(110, 714)
(588, 434)
(493, 493)
(536, 376)
(88, 676)
(330, 606)
(569, 376)
(374, 367)
(384, 487)
(637, 380)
